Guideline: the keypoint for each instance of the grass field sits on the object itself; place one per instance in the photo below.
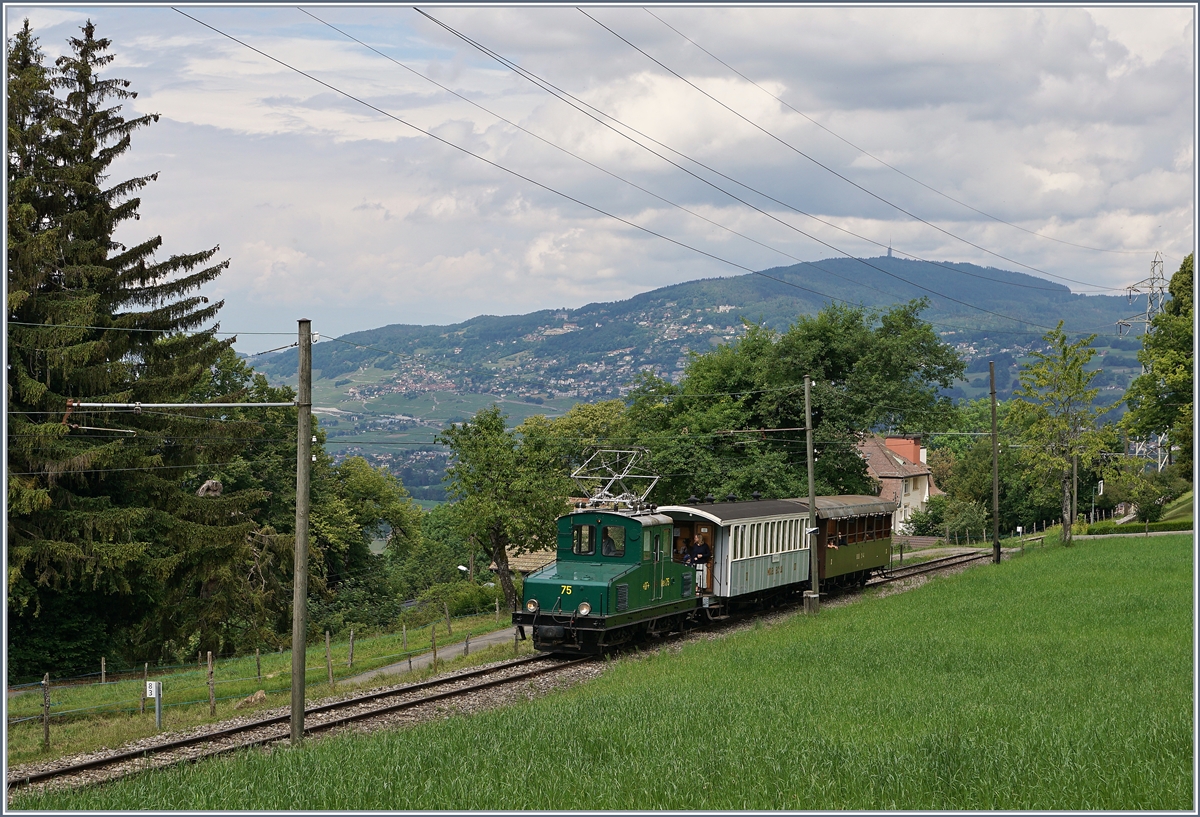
(1179, 509)
(111, 709)
(1060, 679)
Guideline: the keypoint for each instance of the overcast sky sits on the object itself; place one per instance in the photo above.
(1076, 123)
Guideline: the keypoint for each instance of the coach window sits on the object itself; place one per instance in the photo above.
(612, 541)
(585, 540)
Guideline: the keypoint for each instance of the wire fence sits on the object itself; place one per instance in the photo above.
(134, 672)
(368, 662)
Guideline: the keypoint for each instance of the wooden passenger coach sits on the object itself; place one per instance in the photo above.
(761, 545)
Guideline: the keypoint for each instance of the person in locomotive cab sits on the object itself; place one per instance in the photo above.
(683, 551)
(607, 546)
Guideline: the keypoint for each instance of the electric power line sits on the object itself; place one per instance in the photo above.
(571, 100)
(865, 152)
(819, 164)
(661, 198)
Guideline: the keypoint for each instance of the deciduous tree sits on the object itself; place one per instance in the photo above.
(1055, 414)
(510, 488)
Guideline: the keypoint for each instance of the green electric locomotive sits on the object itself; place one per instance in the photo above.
(620, 574)
(613, 580)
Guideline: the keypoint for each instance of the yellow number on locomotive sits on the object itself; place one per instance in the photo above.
(645, 585)
(666, 582)
(566, 589)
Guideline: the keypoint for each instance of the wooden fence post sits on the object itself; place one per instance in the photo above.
(212, 692)
(258, 664)
(46, 711)
(404, 635)
(328, 660)
(199, 659)
(145, 677)
(467, 646)
(102, 670)
(497, 611)
(433, 643)
(350, 660)
(514, 640)
(446, 607)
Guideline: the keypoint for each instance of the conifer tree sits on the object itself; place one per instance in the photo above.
(100, 519)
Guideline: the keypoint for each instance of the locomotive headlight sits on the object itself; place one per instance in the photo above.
(584, 608)
(531, 605)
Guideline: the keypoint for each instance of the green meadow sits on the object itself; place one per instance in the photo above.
(1060, 679)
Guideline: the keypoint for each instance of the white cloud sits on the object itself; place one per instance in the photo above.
(1077, 123)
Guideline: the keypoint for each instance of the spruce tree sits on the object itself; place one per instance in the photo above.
(102, 521)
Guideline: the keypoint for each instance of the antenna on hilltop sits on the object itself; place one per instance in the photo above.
(607, 477)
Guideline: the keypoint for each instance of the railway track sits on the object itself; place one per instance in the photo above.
(322, 718)
(898, 573)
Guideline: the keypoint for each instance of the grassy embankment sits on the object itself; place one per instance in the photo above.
(107, 722)
(1060, 679)
(1179, 509)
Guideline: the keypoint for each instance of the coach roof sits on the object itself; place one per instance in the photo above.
(828, 507)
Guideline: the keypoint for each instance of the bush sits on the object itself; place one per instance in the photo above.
(1102, 528)
(462, 598)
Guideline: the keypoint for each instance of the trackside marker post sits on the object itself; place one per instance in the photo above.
(154, 690)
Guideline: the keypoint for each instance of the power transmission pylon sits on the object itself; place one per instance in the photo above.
(1156, 447)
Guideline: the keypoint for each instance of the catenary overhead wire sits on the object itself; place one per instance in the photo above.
(133, 329)
(825, 167)
(865, 152)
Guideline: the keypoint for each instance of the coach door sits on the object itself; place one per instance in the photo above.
(659, 552)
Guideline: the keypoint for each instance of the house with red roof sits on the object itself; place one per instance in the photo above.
(898, 465)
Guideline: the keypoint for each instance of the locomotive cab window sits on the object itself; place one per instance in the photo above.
(612, 541)
(584, 543)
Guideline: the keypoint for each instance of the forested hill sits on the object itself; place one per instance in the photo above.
(596, 348)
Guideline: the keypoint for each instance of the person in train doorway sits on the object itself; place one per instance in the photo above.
(607, 546)
(701, 553)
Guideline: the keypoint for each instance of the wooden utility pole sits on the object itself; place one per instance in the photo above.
(995, 469)
(812, 598)
(303, 473)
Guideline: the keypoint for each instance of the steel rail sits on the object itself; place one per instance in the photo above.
(928, 567)
(134, 754)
